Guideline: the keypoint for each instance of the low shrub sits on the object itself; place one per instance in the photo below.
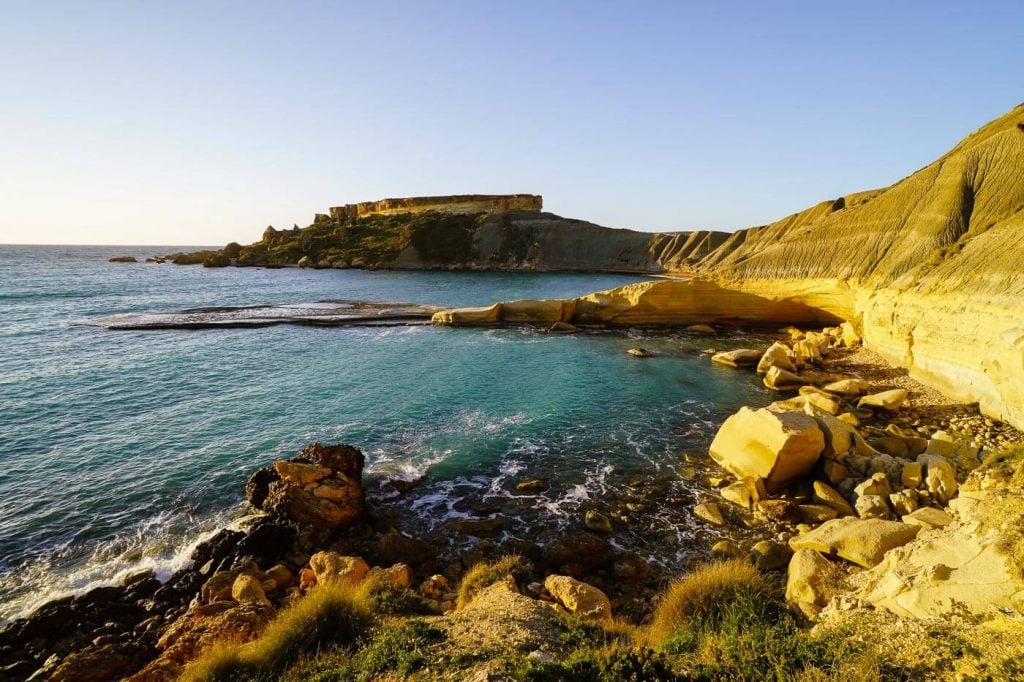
(331, 615)
(485, 574)
(703, 593)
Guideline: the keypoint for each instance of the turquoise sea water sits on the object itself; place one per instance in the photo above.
(119, 450)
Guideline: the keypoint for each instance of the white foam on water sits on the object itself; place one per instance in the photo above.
(161, 544)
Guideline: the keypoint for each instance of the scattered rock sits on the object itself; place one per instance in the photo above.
(743, 357)
(887, 400)
(860, 541)
(598, 522)
(777, 355)
(781, 380)
(640, 353)
(122, 259)
(331, 566)
(701, 329)
(579, 598)
(710, 512)
(808, 579)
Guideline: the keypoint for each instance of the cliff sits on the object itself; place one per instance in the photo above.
(928, 270)
(457, 204)
(463, 233)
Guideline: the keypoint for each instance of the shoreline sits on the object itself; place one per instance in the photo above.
(926, 411)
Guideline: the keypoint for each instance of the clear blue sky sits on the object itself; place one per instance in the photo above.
(202, 122)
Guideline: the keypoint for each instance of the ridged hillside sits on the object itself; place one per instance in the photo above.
(930, 268)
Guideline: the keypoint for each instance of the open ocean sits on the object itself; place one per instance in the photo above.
(119, 450)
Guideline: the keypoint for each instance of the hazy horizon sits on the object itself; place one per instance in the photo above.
(133, 125)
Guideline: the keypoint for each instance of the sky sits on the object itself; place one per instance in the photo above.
(203, 122)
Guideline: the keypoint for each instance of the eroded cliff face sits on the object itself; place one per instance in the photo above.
(931, 269)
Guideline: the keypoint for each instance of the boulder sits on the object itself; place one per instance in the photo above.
(912, 475)
(872, 507)
(640, 353)
(903, 503)
(851, 338)
(398, 576)
(726, 549)
(579, 598)
(331, 566)
(563, 328)
(247, 590)
(701, 329)
(322, 488)
(782, 380)
(860, 541)
(770, 556)
(710, 512)
(745, 492)
(887, 400)
(817, 513)
(779, 511)
(778, 447)
(939, 477)
(809, 577)
(830, 497)
(777, 355)
(928, 517)
(743, 357)
(847, 387)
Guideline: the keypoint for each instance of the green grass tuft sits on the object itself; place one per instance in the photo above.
(331, 615)
(485, 574)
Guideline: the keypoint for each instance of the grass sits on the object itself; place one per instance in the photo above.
(726, 621)
(331, 615)
(703, 593)
(485, 574)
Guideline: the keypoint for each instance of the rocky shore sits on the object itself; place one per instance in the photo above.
(863, 490)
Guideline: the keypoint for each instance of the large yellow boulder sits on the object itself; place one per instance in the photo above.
(779, 447)
(860, 541)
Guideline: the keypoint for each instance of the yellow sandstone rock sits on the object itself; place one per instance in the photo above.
(860, 541)
(778, 447)
(579, 598)
(331, 566)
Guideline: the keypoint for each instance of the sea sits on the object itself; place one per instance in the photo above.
(121, 450)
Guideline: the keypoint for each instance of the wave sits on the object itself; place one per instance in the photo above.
(161, 544)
